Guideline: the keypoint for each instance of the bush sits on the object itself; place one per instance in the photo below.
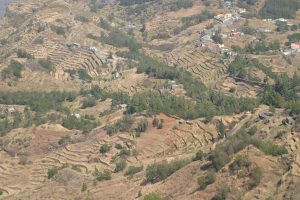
(58, 30)
(221, 194)
(13, 70)
(84, 187)
(133, 170)
(142, 126)
(240, 162)
(152, 196)
(252, 130)
(52, 172)
(204, 181)
(120, 166)
(23, 54)
(88, 102)
(64, 139)
(122, 125)
(199, 155)
(104, 148)
(102, 176)
(83, 75)
(255, 177)
(47, 65)
(159, 171)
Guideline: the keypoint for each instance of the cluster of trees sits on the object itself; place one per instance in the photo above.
(280, 9)
(159, 171)
(258, 47)
(239, 66)
(294, 37)
(37, 101)
(118, 38)
(14, 70)
(181, 4)
(72, 122)
(246, 3)
(122, 125)
(193, 20)
(23, 54)
(132, 2)
(221, 155)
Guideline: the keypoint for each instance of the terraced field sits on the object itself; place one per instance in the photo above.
(202, 65)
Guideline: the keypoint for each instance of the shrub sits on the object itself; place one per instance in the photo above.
(204, 181)
(120, 166)
(252, 130)
(124, 152)
(160, 171)
(88, 102)
(133, 170)
(23, 54)
(13, 70)
(199, 155)
(83, 75)
(58, 30)
(221, 194)
(255, 177)
(142, 126)
(84, 187)
(47, 65)
(240, 162)
(52, 172)
(152, 196)
(104, 148)
(102, 176)
(64, 139)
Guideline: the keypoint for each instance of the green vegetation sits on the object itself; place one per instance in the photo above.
(64, 139)
(58, 30)
(122, 125)
(72, 122)
(159, 171)
(142, 126)
(177, 5)
(52, 172)
(206, 180)
(221, 194)
(104, 148)
(102, 176)
(84, 187)
(220, 156)
(193, 20)
(239, 163)
(295, 37)
(47, 65)
(88, 102)
(280, 9)
(120, 166)
(23, 54)
(153, 196)
(133, 170)
(255, 177)
(14, 70)
(119, 39)
(83, 75)
(200, 155)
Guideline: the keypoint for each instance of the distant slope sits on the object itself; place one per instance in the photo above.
(3, 5)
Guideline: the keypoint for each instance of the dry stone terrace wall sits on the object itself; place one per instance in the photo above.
(202, 65)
